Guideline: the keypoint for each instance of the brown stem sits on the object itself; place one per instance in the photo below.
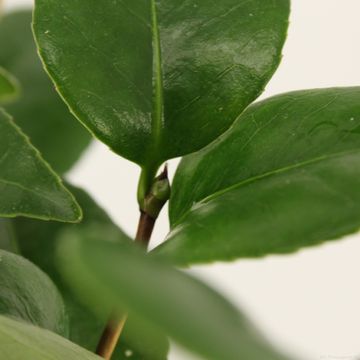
(110, 336)
(145, 229)
(115, 325)
(158, 195)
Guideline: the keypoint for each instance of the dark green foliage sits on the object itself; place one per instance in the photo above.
(154, 80)
(28, 186)
(38, 109)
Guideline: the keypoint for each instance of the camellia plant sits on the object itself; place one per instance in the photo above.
(155, 80)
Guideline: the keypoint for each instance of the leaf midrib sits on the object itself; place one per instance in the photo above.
(265, 175)
(36, 154)
(31, 191)
(158, 98)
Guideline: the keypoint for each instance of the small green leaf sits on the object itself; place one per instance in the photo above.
(23, 341)
(9, 87)
(28, 186)
(27, 294)
(85, 328)
(117, 273)
(39, 111)
(156, 79)
(285, 176)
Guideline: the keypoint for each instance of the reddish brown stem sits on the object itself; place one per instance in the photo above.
(154, 201)
(145, 229)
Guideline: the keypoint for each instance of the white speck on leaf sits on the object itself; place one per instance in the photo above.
(352, 119)
(128, 353)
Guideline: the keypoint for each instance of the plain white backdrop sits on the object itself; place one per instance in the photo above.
(307, 303)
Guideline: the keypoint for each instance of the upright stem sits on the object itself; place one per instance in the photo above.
(116, 323)
(110, 336)
(153, 203)
(145, 229)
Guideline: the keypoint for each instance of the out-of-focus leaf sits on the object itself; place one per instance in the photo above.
(20, 341)
(8, 239)
(39, 111)
(9, 87)
(142, 341)
(118, 273)
(27, 294)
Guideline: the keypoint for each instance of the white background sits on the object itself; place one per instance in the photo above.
(307, 303)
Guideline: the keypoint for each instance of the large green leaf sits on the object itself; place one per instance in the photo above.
(9, 87)
(19, 341)
(286, 175)
(39, 111)
(85, 328)
(27, 294)
(117, 273)
(28, 186)
(155, 79)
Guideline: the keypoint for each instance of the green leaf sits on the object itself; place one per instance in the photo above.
(285, 176)
(27, 294)
(141, 341)
(23, 341)
(8, 239)
(9, 87)
(39, 111)
(28, 186)
(117, 273)
(156, 79)
(85, 328)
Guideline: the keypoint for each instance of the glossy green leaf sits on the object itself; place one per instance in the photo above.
(85, 329)
(9, 87)
(39, 111)
(27, 294)
(19, 341)
(155, 79)
(285, 176)
(28, 186)
(118, 273)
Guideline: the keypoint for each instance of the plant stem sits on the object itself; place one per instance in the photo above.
(112, 332)
(110, 336)
(154, 201)
(145, 229)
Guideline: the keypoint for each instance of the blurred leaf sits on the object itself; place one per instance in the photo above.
(85, 328)
(39, 111)
(8, 239)
(22, 341)
(28, 186)
(9, 87)
(115, 272)
(285, 176)
(27, 294)
(159, 79)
